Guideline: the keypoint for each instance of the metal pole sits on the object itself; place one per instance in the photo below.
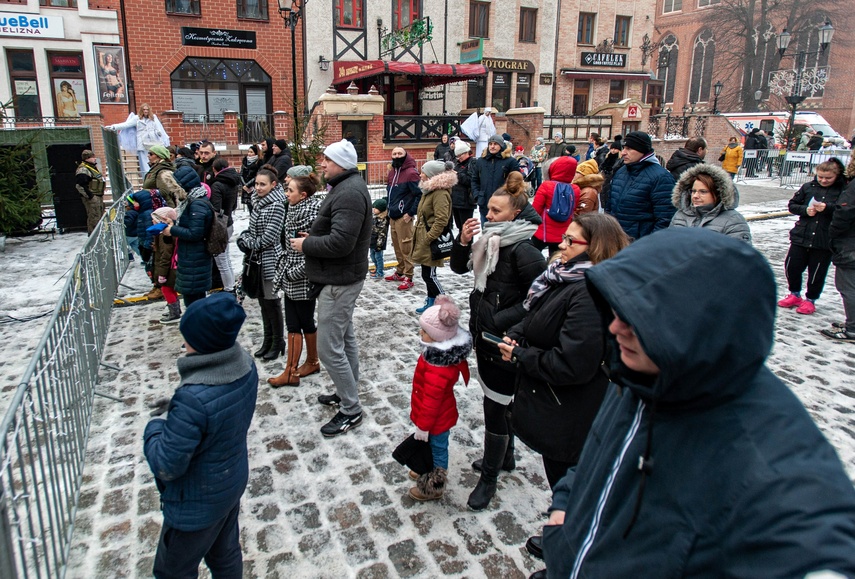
(8, 569)
(796, 97)
(293, 26)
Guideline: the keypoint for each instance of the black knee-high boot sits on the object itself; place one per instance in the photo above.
(277, 330)
(268, 335)
(495, 446)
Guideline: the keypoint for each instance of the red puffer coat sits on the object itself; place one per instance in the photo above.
(562, 170)
(432, 406)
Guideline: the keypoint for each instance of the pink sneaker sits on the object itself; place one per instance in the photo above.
(395, 277)
(406, 284)
(806, 308)
(791, 301)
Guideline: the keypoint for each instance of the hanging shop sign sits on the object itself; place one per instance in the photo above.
(31, 25)
(505, 64)
(610, 60)
(217, 37)
(471, 50)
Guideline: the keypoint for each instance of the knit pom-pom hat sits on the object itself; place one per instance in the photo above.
(440, 321)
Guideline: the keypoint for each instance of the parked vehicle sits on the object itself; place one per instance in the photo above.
(775, 123)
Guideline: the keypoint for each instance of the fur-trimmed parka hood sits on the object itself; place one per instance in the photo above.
(445, 180)
(503, 154)
(595, 181)
(682, 194)
(449, 352)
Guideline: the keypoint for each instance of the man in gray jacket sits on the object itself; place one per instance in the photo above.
(336, 252)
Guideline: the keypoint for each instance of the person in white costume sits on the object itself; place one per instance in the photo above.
(139, 133)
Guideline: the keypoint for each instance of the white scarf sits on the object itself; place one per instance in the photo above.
(485, 251)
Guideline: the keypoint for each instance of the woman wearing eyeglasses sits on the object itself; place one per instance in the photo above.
(705, 197)
(558, 349)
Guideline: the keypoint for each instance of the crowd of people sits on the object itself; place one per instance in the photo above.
(597, 353)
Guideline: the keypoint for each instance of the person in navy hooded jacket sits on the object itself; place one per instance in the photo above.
(701, 462)
(198, 454)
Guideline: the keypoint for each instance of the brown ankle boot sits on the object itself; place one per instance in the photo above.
(290, 377)
(312, 365)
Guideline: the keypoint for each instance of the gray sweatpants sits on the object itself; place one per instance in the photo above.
(337, 347)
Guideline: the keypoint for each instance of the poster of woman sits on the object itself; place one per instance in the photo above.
(112, 81)
(70, 97)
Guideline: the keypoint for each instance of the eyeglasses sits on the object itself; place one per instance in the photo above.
(568, 241)
(700, 191)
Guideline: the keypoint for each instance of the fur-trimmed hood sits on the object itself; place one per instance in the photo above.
(595, 181)
(445, 180)
(681, 197)
(449, 352)
(503, 154)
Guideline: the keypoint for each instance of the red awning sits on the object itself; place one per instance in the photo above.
(609, 75)
(435, 74)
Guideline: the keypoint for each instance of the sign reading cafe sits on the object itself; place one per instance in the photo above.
(611, 60)
(217, 37)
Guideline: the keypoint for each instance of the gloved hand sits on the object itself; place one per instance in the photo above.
(241, 243)
(161, 280)
(421, 434)
(159, 406)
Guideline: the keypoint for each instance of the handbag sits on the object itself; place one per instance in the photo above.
(722, 156)
(251, 282)
(440, 248)
(415, 454)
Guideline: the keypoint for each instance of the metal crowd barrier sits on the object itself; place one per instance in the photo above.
(46, 428)
(375, 172)
(798, 167)
(759, 164)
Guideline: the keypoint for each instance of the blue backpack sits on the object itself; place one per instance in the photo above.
(563, 203)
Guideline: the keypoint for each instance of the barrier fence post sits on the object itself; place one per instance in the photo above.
(7, 554)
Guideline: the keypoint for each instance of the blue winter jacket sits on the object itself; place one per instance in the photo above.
(736, 479)
(198, 455)
(640, 197)
(194, 261)
(143, 216)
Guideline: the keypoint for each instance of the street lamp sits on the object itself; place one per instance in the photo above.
(717, 87)
(291, 11)
(826, 31)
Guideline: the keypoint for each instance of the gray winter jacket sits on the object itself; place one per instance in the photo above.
(720, 217)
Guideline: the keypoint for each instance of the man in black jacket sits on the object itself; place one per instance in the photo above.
(842, 233)
(336, 250)
(281, 159)
(815, 141)
(207, 156)
(490, 172)
(691, 154)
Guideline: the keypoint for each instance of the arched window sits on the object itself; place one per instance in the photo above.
(667, 66)
(202, 88)
(702, 67)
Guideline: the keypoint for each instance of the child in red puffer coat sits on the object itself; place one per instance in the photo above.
(445, 347)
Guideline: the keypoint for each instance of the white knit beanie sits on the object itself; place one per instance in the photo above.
(342, 154)
(461, 147)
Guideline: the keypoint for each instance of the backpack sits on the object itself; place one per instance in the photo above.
(563, 203)
(217, 236)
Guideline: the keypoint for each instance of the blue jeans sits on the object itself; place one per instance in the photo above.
(538, 178)
(439, 447)
(377, 260)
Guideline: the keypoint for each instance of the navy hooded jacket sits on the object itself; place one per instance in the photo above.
(737, 481)
(640, 197)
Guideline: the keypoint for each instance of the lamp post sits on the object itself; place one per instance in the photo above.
(826, 31)
(717, 87)
(291, 11)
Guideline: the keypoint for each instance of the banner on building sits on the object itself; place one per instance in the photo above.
(608, 59)
(112, 77)
(31, 25)
(70, 97)
(217, 37)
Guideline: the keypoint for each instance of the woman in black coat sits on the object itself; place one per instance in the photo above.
(443, 150)
(504, 263)
(558, 347)
(194, 261)
(250, 165)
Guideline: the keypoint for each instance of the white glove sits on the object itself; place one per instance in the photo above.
(421, 434)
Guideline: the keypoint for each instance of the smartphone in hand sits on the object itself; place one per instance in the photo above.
(492, 338)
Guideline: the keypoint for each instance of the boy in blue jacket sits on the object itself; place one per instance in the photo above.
(198, 453)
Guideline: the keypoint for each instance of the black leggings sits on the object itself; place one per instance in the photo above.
(816, 261)
(460, 216)
(300, 316)
(495, 417)
(431, 281)
(553, 247)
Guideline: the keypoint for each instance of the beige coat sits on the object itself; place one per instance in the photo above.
(435, 211)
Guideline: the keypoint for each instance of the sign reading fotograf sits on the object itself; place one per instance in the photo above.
(217, 37)
(612, 60)
(509, 65)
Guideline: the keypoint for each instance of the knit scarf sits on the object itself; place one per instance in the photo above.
(557, 273)
(195, 193)
(485, 251)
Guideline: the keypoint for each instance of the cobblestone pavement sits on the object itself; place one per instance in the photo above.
(338, 507)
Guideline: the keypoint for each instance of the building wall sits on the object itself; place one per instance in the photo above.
(89, 24)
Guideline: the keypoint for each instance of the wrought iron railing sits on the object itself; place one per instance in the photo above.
(255, 128)
(18, 122)
(667, 126)
(411, 128)
(577, 128)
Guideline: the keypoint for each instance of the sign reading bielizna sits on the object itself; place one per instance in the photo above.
(31, 25)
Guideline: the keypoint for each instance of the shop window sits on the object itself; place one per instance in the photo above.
(666, 70)
(585, 34)
(59, 3)
(702, 67)
(348, 14)
(479, 19)
(68, 83)
(622, 30)
(501, 100)
(523, 90)
(404, 12)
(672, 6)
(581, 90)
(202, 88)
(476, 93)
(616, 90)
(25, 87)
(252, 9)
(528, 24)
(183, 7)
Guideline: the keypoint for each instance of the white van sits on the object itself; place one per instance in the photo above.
(775, 123)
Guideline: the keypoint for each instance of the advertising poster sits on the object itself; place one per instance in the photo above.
(112, 79)
(70, 97)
